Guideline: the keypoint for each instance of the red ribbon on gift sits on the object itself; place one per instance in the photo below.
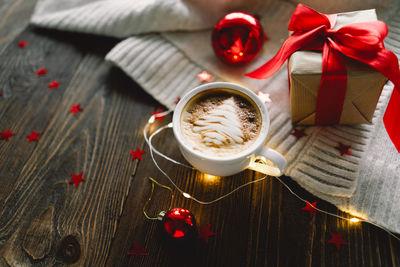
(361, 41)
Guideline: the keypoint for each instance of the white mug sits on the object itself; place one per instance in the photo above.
(231, 164)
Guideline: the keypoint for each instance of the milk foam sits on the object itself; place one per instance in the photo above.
(221, 126)
(220, 123)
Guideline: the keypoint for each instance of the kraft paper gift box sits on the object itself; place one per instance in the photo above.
(364, 83)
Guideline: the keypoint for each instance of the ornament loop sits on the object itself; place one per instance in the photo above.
(159, 217)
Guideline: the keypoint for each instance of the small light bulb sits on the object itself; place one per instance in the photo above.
(152, 119)
(354, 220)
(210, 177)
(170, 125)
(186, 195)
(252, 164)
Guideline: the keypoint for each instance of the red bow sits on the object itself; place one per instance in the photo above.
(361, 41)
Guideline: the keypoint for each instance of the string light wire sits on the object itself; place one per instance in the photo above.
(152, 149)
(335, 215)
(153, 181)
(186, 195)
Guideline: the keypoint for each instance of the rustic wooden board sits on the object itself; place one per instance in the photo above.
(262, 225)
(14, 17)
(44, 221)
(38, 205)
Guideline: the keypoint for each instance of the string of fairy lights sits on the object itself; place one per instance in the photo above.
(153, 150)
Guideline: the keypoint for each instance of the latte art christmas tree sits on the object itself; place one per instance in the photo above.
(220, 126)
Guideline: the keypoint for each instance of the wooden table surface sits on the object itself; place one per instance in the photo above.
(45, 221)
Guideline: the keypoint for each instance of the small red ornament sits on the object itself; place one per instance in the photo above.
(137, 250)
(34, 136)
(310, 208)
(76, 179)
(205, 233)
(76, 108)
(343, 149)
(6, 135)
(41, 71)
(137, 154)
(179, 224)
(204, 76)
(265, 98)
(22, 43)
(337, 240)
(158, 115)
(237, 38)
(53, 85)
(298, 133)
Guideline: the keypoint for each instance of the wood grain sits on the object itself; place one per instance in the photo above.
(37, 202)
(44, 221)
(14, 18)
(262, 225)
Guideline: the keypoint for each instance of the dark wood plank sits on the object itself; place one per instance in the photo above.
(14, 17)
(72, 225)
(262, 225)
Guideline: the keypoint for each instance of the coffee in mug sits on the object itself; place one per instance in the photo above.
(221, 129)
(220, 122)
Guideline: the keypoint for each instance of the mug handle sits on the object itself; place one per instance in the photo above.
(268, 156)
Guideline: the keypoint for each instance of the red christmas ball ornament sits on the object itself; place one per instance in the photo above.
(179, 224)
(237, 38)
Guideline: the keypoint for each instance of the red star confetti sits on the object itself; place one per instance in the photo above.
(310, 208)
(298, 133)
(137, 250)
(177, 101)
(204, 76)
(53, 85)
(41, 71)
(6, 135)
(34, 136)
(137, 154)
(337, 240)
(158, 116)
(343, 149)
(22, 43)
(205, 233)
(76, 108)
(76, 179)
(264, 97)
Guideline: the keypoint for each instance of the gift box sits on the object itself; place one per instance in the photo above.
(364, 83)
(343, 83)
